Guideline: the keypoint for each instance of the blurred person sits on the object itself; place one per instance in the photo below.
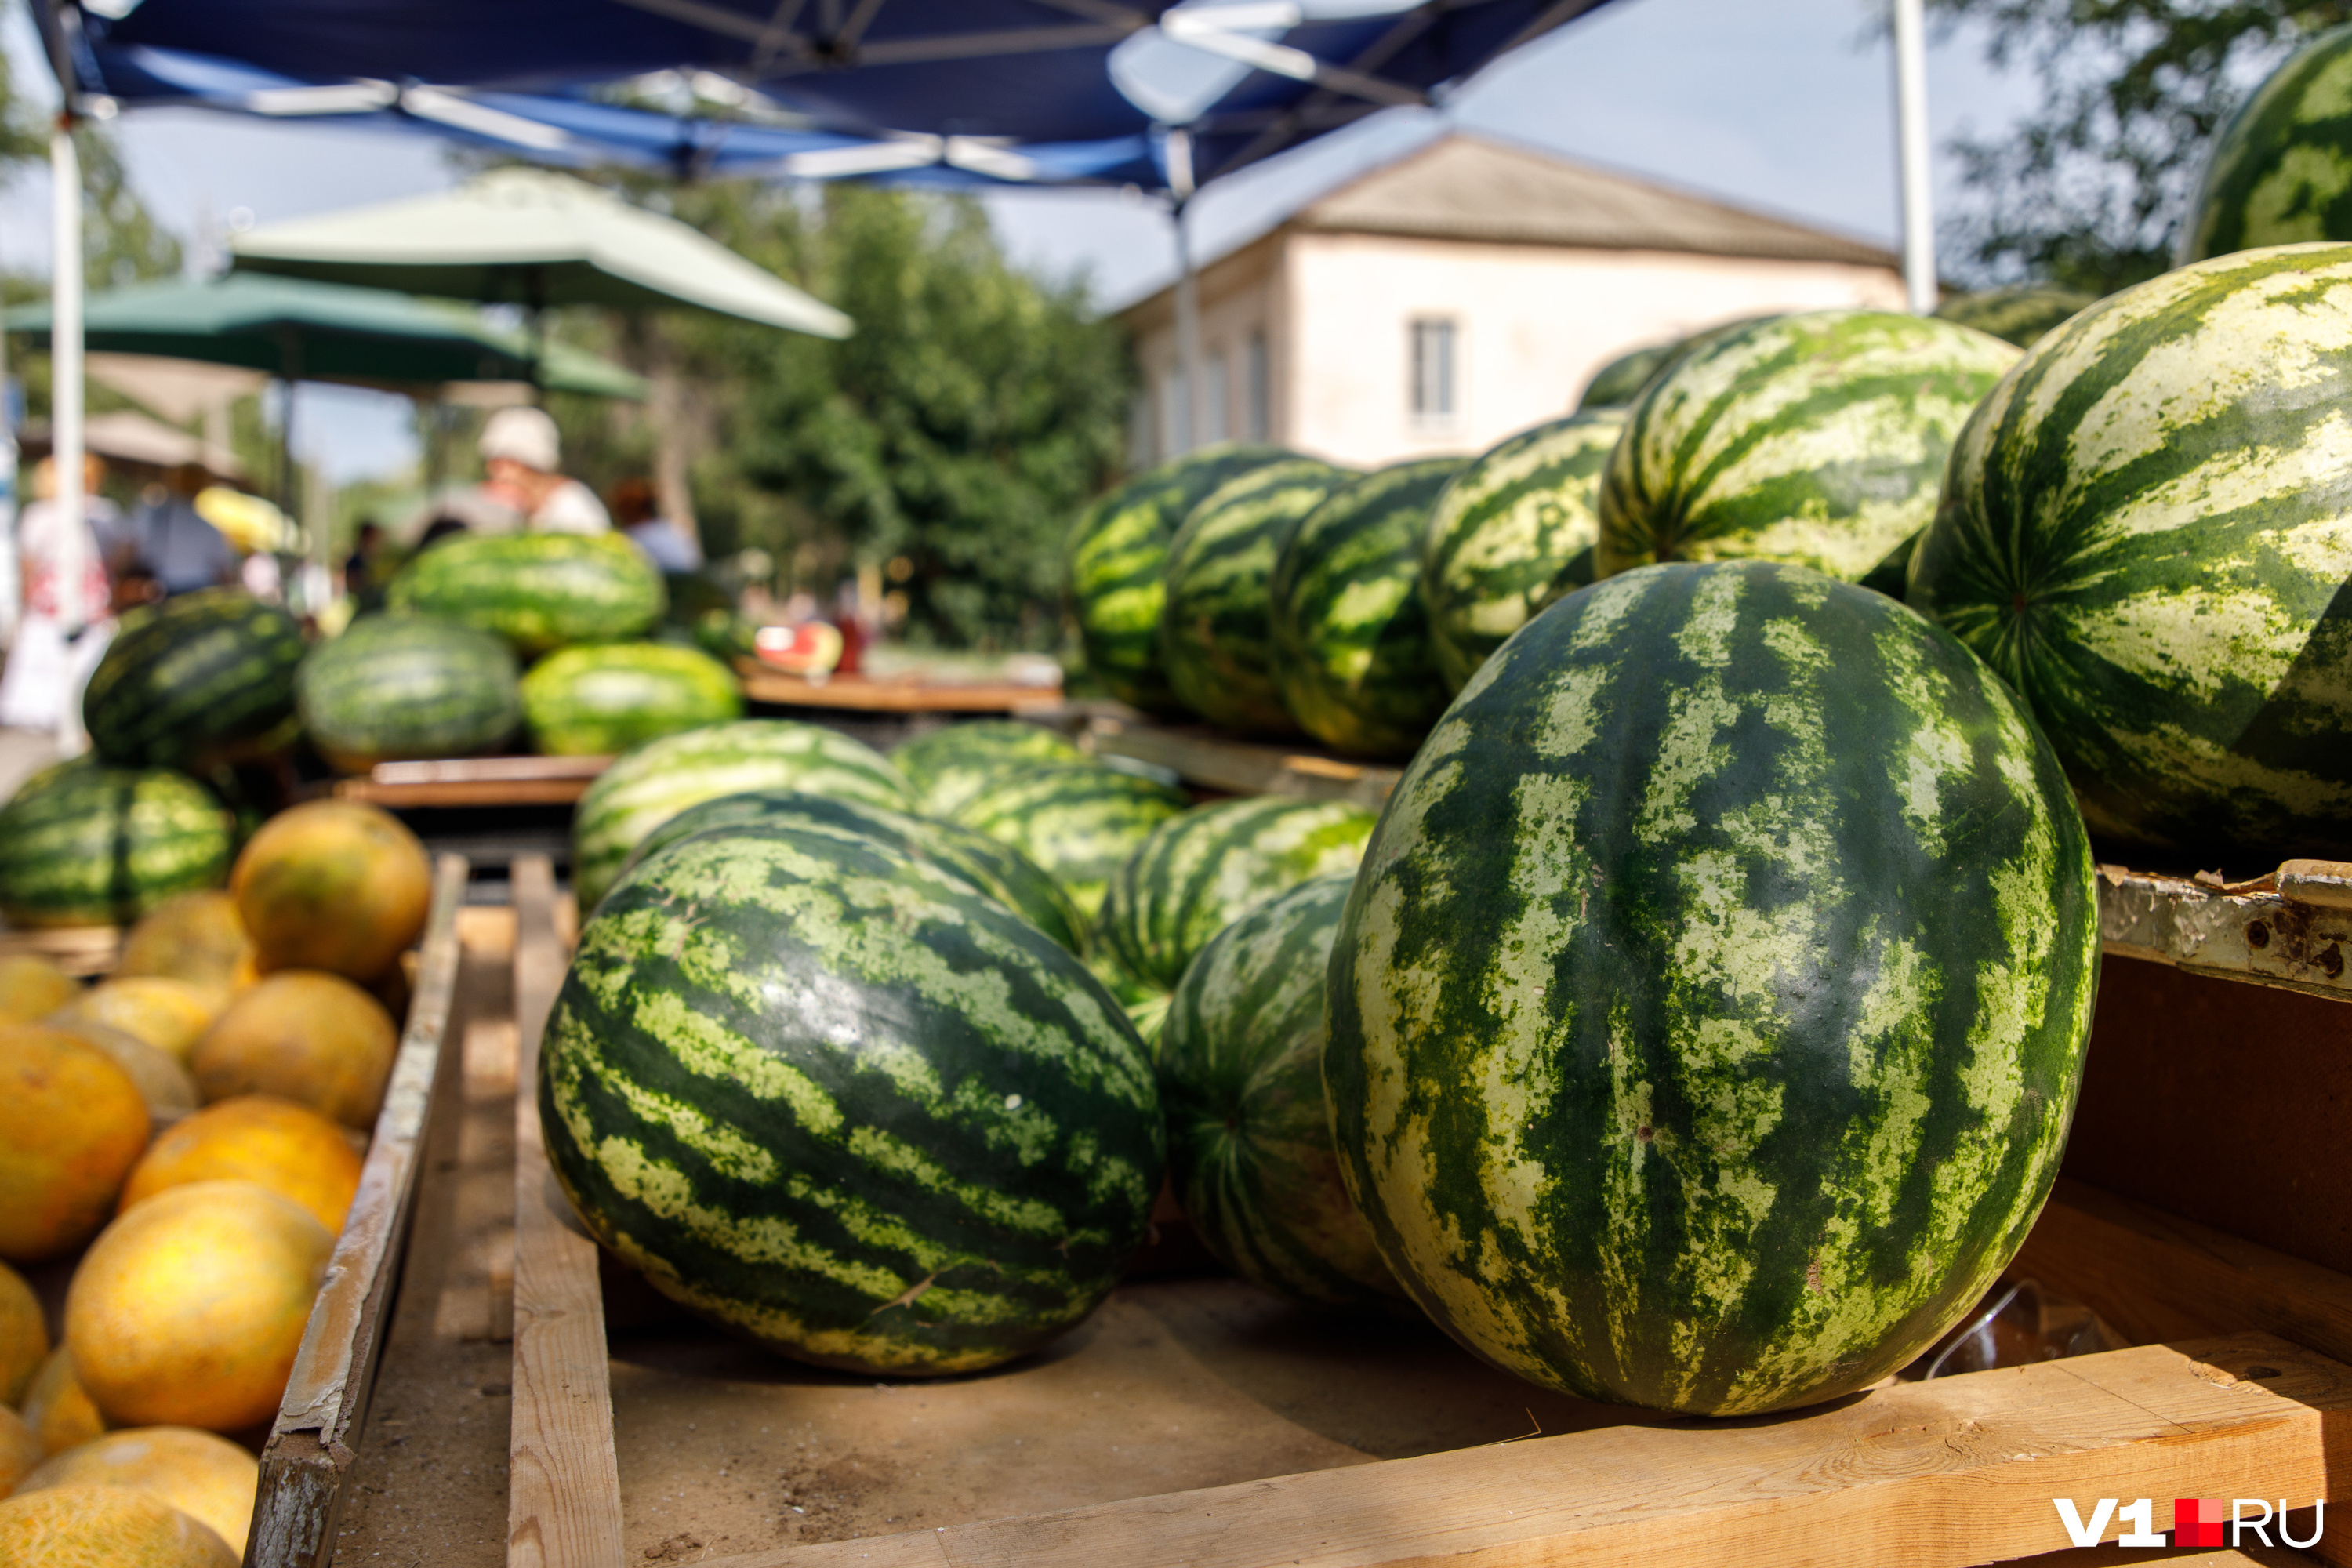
(638, 515)
(168, 537)
(360, 567)
(523, 455)
(66, 625)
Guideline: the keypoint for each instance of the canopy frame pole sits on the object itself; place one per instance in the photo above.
(1911, 155)
(67, 446)
(1189, 422)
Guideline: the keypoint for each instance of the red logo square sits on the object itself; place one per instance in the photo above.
(2197, 1522)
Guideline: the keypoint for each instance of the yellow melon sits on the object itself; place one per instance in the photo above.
(170, 1015)
(58, 1408)
(104, 1527)
(20, 1451)
(71, 1122)
(32, 986)
(187, 1310)
(207, 1477)
(197, 937)
(290, 1149)
(166, 1085)
(333, 885)
(24, 1336)
(311, 1037)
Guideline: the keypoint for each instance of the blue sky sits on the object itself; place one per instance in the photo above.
(1784, 105)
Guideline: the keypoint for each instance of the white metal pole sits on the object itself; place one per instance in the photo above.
(66, 398)
(1188, 420)
(1911, 142)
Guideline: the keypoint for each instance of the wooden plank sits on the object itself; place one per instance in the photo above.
(564, 1501)
(2155, 1276)
(1959, 1471)
(312, 1443)
(868, 694)
(77, 950)
(2299, 939)
(1243, 767)
(476, 781)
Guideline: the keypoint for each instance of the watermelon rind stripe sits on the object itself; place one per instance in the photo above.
(1077, 821)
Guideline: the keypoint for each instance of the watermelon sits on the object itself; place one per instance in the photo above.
(399, 686)
(1198, 873)
(839, 1102)
(197, 681)
(1078, 820)
(2021, 313)
(539, 591)
(2144, 532)
(2280, 171)
(86, 844)
(1249, 1134)
(997, 869)
(1818, 439)
(1621, 380)
(1705, 1021)
(1214, 631)
(603, 698)
(656, 782)
(1117, 566)
(951, 764)
(1351, 654)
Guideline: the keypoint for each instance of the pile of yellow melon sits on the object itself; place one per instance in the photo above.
(186, 1135)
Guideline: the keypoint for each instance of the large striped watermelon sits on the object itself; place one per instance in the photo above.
(838, 1100)
(2145, 531)
(86, 844)
(1214, 640)
(1818, 439)
(396, 687)
(1116, 565)
(1078, 820)
(1198, 873)
(196, 680)
(656, 782)
(1513, 531)
(1351, 654)
(953, 763)
(2019, 313)
(995, 868)
(1617, 383)
(2280, 172)
(1708, 1016)
(539, 591)
(604, 698)
(1249, 1131)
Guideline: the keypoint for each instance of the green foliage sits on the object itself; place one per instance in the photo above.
(2090, 189)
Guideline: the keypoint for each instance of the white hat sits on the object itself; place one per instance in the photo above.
(526, 435)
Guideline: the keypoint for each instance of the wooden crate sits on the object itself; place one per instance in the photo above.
(1196, 1421)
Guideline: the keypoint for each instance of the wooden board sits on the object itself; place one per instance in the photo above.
(1203, 757)
(2292, 929)
(82, 951)
(869, 694)
(313, 1444)
(476, 781)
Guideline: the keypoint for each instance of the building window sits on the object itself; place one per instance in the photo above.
(1435, 394)
(1261, 391)
(1142, 426)
(1216, 418)
(1175, 414)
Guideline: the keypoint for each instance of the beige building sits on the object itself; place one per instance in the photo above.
(1464, 291)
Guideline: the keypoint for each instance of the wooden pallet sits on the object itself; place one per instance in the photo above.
(476, 781)
(890, 694)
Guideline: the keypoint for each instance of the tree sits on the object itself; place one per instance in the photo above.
(2089, 191)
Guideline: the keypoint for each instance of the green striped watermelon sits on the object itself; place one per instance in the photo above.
(1078, 820)
(1617, 383)
(1000, 871)
(604, 698)
(1818, 439)
(1513, 531)
(1116, 563)
(1198, 873)
(539, 591)
(1214, 640)
(2144, 532)
(1351, 649)
(1708, 1016)
(196, 680)
(656, 782)
(953, 763)
(2280, 172)
(841, 1102)
(400, 686)
(1249, 1131)
(2021, 313)
(86, 844)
